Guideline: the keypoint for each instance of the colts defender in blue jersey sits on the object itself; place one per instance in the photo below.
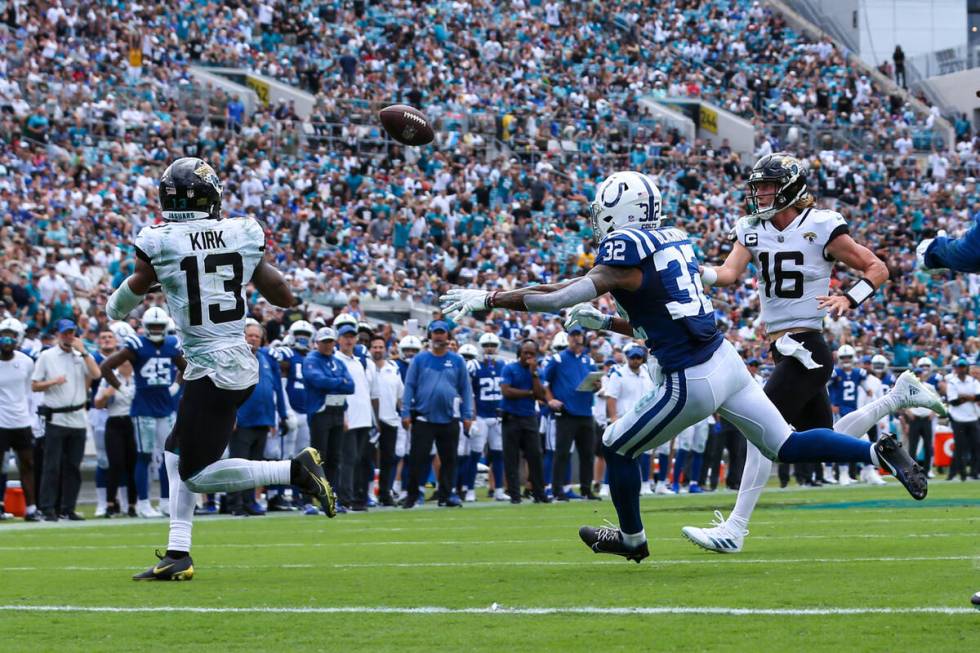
(485, 375)
(845, 383)
(156, 358)
(652, 273)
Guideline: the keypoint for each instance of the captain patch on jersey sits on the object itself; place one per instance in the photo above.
(794, 268)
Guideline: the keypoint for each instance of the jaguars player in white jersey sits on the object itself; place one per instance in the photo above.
(652, 273)
(203, 263)
(795, 245)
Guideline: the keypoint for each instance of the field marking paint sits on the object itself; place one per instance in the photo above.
(702, 560)
(498, 610)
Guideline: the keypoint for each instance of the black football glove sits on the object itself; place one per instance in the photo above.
(283, 427)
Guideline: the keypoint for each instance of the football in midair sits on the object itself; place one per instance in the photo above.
(406, 124)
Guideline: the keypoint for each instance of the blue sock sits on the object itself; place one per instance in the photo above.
(471, 471)
(164, 482)
(664, 460)
(644, 467)
(100, 477)
(624, 488)
(824, 445)
(549, 463)
(679, 460)
(696, 459)
(497, 466)
(143, 476)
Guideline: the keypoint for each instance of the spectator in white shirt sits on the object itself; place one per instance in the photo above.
(16, 369)
(354, 480)
(962, 393)
(386, 398)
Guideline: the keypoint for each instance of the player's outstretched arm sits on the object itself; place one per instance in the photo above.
(730, 271)
(271, 284)
(544, 299)
(957, 254)
(130, 292)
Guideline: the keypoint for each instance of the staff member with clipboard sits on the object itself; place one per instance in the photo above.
(572, 407)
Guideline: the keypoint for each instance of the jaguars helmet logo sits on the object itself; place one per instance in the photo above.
(810, 236)
(207, 173)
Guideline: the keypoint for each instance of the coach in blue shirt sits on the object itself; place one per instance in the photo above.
(521, 386)
(435, 380)
(573, 413)
(256, 417)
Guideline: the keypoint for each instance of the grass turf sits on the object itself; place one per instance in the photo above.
(831, 548)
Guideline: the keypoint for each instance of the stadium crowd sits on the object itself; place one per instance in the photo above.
(95, 99)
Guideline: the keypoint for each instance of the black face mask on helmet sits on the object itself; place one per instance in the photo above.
(190, 190)
(789, 175)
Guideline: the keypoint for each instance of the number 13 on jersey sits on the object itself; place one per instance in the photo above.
(690, 299)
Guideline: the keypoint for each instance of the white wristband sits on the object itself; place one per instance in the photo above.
(709, 276)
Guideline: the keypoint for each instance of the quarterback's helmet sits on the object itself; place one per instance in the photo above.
(845, 356)
(469, 351)
(559, 342)
(623, 199)
(155, 322)
(410, 344)
(301, 335)
(789, 175)
(879, 363)
(489, 340)
(11, 332)
(190, 190)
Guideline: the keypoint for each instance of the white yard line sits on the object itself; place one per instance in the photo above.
(498, 610)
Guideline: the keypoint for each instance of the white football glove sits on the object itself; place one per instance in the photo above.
(587, 316)
(920, 253)
(460, 301)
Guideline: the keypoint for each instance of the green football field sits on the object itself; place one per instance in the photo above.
(829, 569)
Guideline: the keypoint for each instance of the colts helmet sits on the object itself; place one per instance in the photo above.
(559, 342)
(879, 363)
(469, 352)
(489, 340)
(789, 175)
(344, 318)
(410, 344)
(190, 190)
(14, 326)
(845, 356)
(155, 323)
(122, 330)
(301, 335)
(624, 199)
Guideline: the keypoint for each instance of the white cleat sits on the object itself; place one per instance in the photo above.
(645, 490)
(164, 507)
(914, 393)
(101, 510)
(845, 478)
(871, 476)
(721, 537)
(147, 511)
(470, 496)
(500, 495)
(604, 490)
(662, 488)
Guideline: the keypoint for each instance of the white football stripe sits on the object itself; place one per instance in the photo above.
(496, 610)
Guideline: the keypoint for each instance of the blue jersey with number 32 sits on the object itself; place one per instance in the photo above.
(154, 371)
(670, 309)
(486, 376)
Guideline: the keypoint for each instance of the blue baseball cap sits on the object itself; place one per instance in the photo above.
(962, 362)
(345, 329)
(576, 328)
(438, 325)
(65, 324)
(636, 351)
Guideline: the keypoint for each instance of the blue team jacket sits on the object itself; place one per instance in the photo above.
(958, 254)
(322, 376)
(432, 385)
(266, 399)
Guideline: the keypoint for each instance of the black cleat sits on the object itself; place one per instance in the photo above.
(607, 539)
(307, 474)
(897, 461)
(169, 569)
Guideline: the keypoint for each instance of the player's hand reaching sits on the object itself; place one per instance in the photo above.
(920, 254)
(587, 316)
(834, 304)
(460, 301)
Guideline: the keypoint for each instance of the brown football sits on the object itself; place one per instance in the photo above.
(406, 124)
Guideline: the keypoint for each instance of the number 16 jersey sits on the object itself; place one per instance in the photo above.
(793, 265)
(203, 267)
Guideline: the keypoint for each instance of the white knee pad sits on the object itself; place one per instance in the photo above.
(495, 435)
(401, 442)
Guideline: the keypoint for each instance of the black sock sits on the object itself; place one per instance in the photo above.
(177, 555)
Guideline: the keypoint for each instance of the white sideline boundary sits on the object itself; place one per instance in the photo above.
(700, 560)
(497, 610)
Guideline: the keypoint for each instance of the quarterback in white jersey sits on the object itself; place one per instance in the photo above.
(202, 264)
(794, 246)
